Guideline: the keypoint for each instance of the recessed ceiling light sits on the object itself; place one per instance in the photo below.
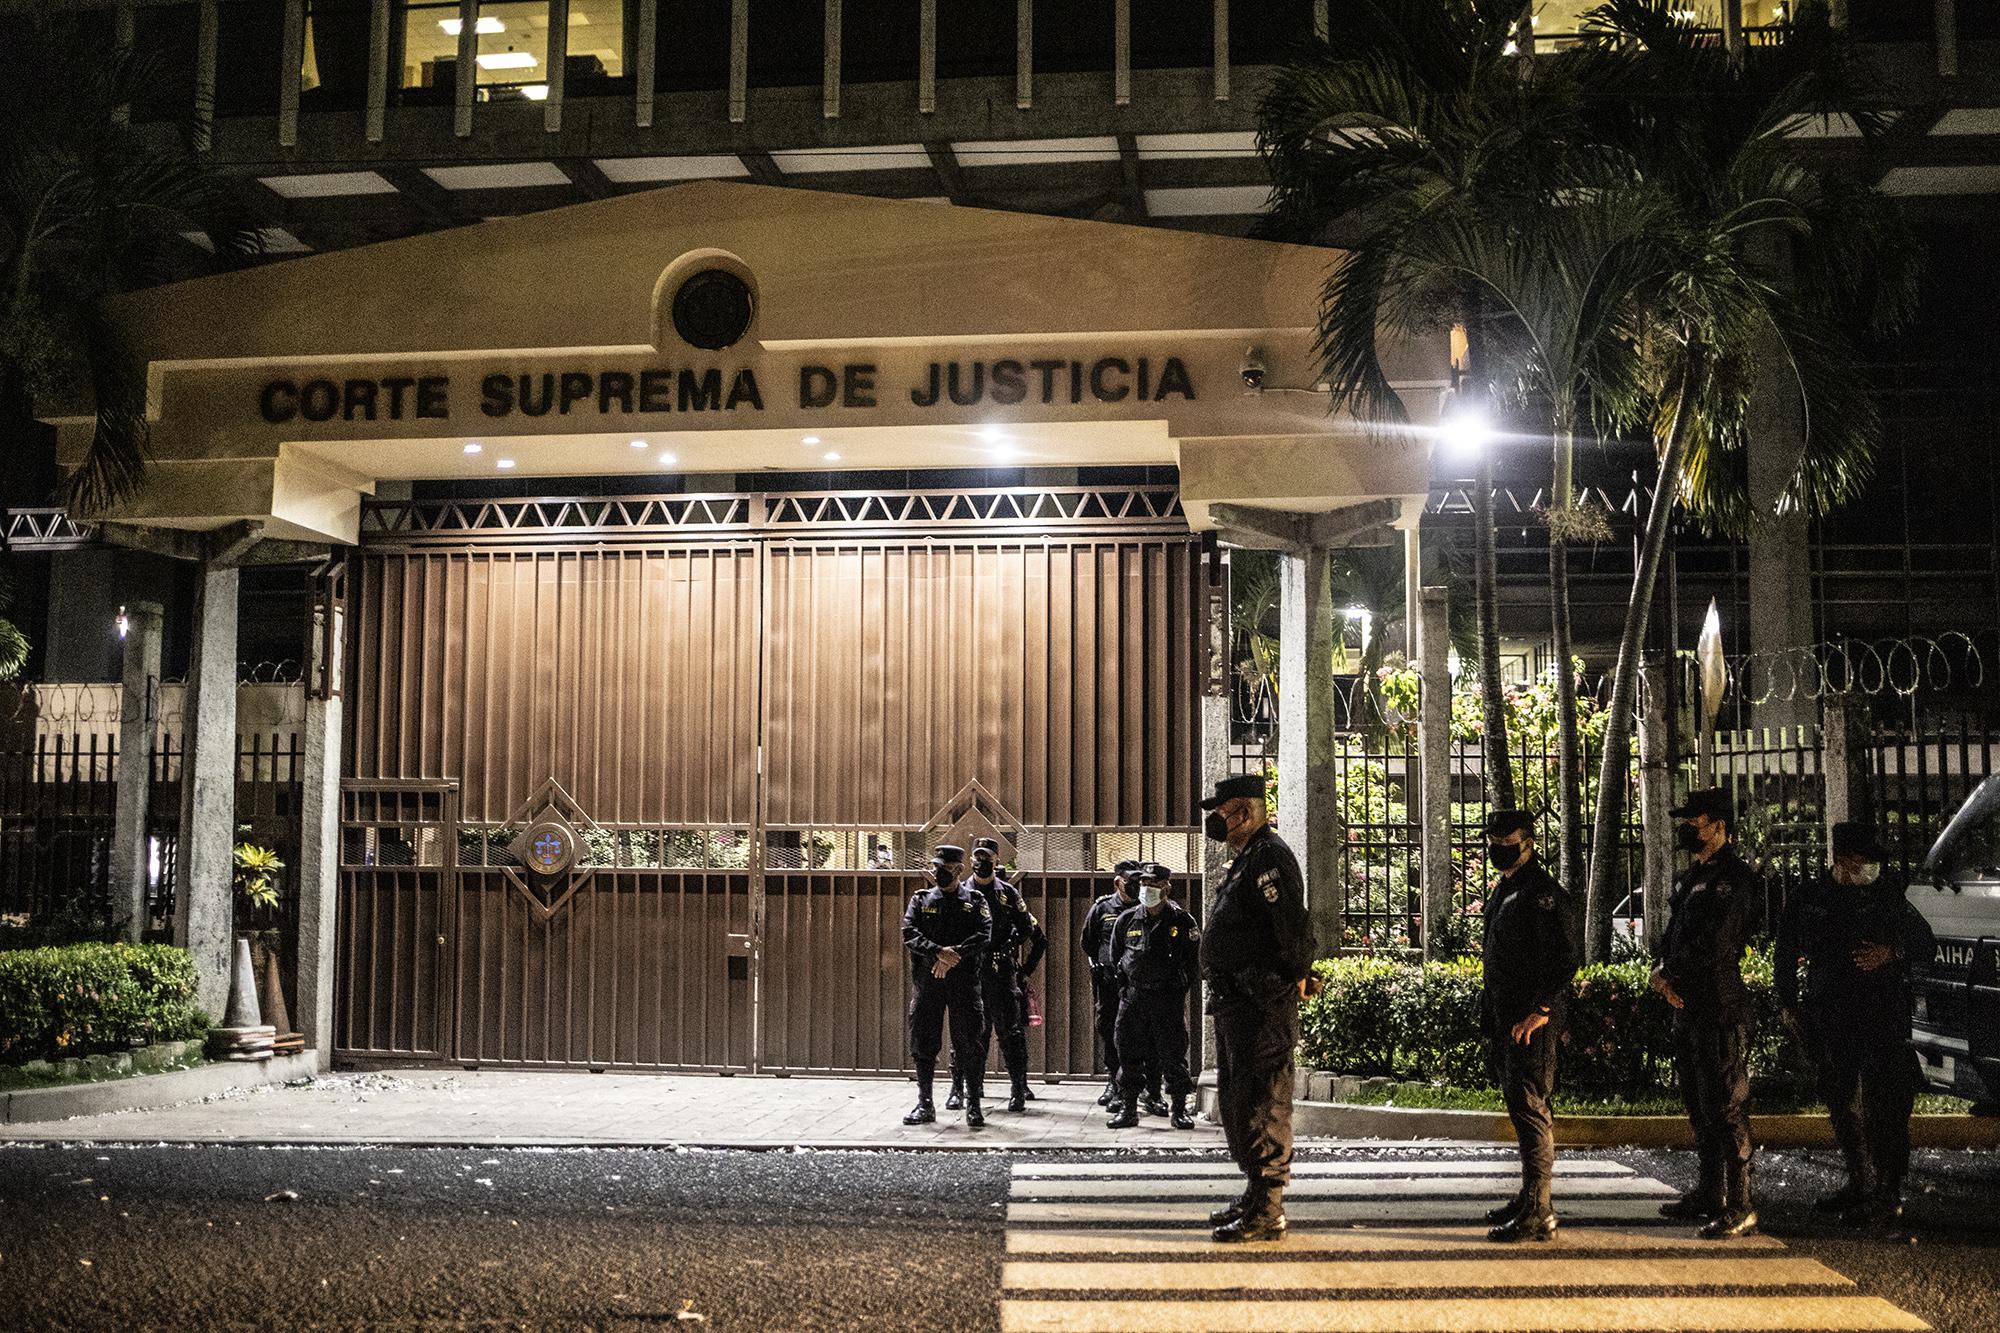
(507, 60)
(535, 92)
(474, 448)
(831, 457)
(503, 462)
(668, 460)
(638, 444)
(810, 439)
(487, 23)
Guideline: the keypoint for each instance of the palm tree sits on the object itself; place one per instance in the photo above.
(88, 208)
(1712, 135)
(1416, 116)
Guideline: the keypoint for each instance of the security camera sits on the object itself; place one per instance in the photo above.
(1253, 369)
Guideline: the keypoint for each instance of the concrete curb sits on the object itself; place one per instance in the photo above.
(1343, 1120)
(145, 1091)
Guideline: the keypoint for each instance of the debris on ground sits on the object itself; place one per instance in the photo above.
(282, 1196)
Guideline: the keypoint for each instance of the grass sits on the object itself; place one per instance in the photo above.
(1439, 1097)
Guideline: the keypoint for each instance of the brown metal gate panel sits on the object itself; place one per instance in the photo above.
(1058, 673)
(635, 970)
(834, 973)
(398, 852)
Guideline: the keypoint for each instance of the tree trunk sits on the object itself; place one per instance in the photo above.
(1569, 757)
(1614, 770)
(1492, 704)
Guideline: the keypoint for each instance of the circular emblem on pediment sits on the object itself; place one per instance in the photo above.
(549, 847)
(712, 309)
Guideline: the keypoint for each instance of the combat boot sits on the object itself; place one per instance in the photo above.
(1155, 1104)
(923, 1113)
(1018, 1099)
(956, 1097)
(1124, 1115)
(1110, 1093)
(1263, 1217)
(1881, 1210)
(1843, 1200)
(1229, 1212)
(1180, 1118)
(1738, 1216)
(1537, 1223)
(1507, 1211)
(1700, 1203)
(974, 1117)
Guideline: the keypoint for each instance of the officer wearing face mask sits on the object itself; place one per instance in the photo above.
(1097, 941)
(1157, 955)
(1529, 963)
(1004, 976)
(948, 929)
(1699, 969)
(1256, 956)
(1855, 933)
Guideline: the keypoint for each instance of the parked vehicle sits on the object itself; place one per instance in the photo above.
(1956, 1023)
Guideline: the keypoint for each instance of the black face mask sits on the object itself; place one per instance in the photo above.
(942, 875)
(1503, 855)
(1688, 838)
(982, 866)
(1215, 827)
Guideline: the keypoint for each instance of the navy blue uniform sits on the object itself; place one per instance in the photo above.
(1003, 990)
(1702, 955)
(1529, 962)
(1157, 958)
(938, 918)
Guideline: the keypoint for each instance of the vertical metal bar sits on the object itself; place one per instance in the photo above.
(465, 71)
(1024, 54)
(292, 54)
(927, 57)
(830, 64)
(646, 57)
(121, 46)
(1222, 50)
(378, 69)
(207, 21)
(1121, 53)
(1947, 37)
(558, 58)
(739, 61)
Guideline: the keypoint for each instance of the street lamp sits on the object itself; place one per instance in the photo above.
(1464, 428)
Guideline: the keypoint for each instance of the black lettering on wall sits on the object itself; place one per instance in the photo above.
(496, 395)
(572, 387)
(743, 389)
(279, 401)
(817, 386)
(1010, 382)
(857, 384)
(614, 384)
(1048, 369)
(1101, 389)
(656, 387)
(357, 396)
(398, 386)
(1174, 379)
(433, 396)
(926, 394)
(705, 394)
(319, 400)
(966, 396)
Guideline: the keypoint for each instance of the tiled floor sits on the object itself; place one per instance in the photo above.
(563, 1109)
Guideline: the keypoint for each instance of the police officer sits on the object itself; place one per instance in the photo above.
(948, 929)
(1529, 963)
(1256, 956)
(1003, 976)
(1157, 956)
(1856, 935)
(1699, 971)
(1097, 941)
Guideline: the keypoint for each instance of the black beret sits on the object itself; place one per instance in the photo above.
(1711, 801)
(1850, 839)
(1502, 822)
(1228, 789)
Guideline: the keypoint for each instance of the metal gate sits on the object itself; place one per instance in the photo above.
(760, 713)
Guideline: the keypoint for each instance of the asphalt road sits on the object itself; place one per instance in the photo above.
(189, 1237)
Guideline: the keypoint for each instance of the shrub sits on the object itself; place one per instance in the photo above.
(1421, 1022)
(58, 1002)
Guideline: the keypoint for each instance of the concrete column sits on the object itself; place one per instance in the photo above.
(557, 64)
(319, 844)
(378, 70)
(1307, 813)
(205, 873)
(292, 50)
(207, 24)
(645, 61)
(1780, 558)
(466, 69)
(1413, 580)
(1434, 732)
(1947, 37)
(130, 859)
(1656, 796)
(1844, 763)
(1216, 718)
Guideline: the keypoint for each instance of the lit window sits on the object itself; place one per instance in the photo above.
(596, 38)
(512, 52)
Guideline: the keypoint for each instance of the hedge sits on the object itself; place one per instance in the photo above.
(84, 998)
(1420, 1022)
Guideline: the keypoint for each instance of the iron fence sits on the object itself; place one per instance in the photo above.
(1919, 776)
(1776, 782)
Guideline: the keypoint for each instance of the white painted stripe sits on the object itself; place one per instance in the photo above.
(1493, 1167)
(1497, 1187)
(1590, 1314)
(1348, 1240)
(1160, 1212)
(1524, 1270)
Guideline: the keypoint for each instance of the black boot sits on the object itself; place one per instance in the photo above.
(1110, 1093)
(1507, 1211)
(1700, 1203)
(1154, 1105)
(1532, 1219)
(1881, 1210)
(1738, 1216)
(1180, 1119)
(1263, 1217)
(1017, 1100)
(1027, 1093)
(956, 1098)
(923, 1113)
(1843, 1200)
(1229, 1212)
(1124, 1114)
(974, 1117)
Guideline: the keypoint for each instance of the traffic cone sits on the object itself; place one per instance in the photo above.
(243, 1035)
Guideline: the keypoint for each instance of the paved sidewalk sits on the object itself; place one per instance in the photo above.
(490, 1108)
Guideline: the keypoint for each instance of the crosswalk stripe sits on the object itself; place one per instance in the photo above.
(1589, 1314)
(1166, 1212)
(1496, 1167)
(1354, 1240)
(1496, 1187)
(1415, 1274)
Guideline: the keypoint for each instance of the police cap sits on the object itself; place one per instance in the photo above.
(1228, 789)
(1127, 869)
(1152, 872)
(986, 845)
(1503, 822)
(947, 853)
(1711, 801)
(1853, 839)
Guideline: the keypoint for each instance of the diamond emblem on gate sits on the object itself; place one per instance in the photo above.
(548, 847)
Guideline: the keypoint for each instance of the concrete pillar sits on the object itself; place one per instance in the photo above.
(319, 839)
(130, 850)
(1413, 583)
(1217, 707)
(1844, 763)
(202, 895)
(1780, 559)
(1656, 796)
(1308, 814)
(1434, 731)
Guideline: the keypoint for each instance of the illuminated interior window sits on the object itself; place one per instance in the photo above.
(596, 33)
(512, 53)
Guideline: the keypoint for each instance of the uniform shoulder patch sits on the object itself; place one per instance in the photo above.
(1270, 893)
(1546, 900)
